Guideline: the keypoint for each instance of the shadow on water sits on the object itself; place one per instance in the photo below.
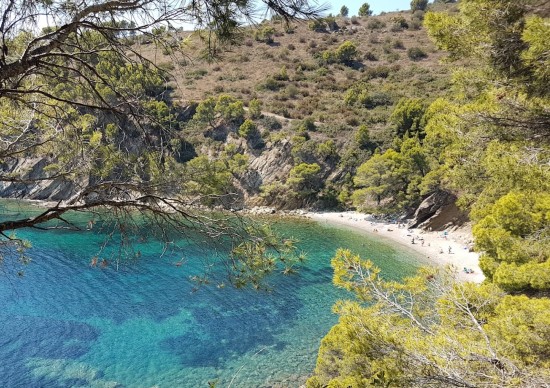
(246, 321)
(28, 337)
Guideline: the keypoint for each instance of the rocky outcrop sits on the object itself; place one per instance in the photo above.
(438, 212)
(32, 183)
(272, 165)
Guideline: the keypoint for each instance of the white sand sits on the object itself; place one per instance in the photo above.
(436, 244)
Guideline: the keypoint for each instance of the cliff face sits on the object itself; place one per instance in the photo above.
(271, 164)
(33, 183)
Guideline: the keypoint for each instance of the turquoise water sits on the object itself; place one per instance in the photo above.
(66, 324)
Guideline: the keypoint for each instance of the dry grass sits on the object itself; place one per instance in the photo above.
(252, 69)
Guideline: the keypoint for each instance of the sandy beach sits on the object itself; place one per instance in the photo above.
(441, 248)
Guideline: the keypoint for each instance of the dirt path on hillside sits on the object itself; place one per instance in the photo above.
(282, 118)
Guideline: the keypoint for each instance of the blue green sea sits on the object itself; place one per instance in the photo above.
(144, 324)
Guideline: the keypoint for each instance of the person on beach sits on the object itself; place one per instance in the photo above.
(450, 250)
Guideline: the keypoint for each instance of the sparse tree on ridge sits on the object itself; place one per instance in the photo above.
(344, 11)
(364, 10)
(419, 5)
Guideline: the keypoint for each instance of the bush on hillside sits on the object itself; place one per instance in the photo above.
(376, 24)
(416, 53)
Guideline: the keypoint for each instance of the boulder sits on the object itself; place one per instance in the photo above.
(438, 212)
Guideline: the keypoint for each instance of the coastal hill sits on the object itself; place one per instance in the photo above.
(319, 96)
(321, 106)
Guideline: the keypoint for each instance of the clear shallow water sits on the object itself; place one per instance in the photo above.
(66, 324)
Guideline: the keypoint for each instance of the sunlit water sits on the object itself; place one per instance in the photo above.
(67, 324)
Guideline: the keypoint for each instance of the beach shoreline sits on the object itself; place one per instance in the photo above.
(451, 247)
(434, 248)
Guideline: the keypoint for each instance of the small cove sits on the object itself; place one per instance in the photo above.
(68, 324)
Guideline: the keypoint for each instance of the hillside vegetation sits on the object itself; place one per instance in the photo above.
(283, 66)
(318, 98)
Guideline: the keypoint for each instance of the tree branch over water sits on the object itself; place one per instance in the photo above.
(83, 107)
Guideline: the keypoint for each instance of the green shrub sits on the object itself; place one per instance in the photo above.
(265, 34)
(416, 53)
(418, 15)
(317, 25)
(375, 24)
(307, 125)
(346, 54)
(377, 72)
(248, 129)
(196, 74)
(398, 44)
(229, 108)
(271, 123)
(282, 75)
(371, 101)
(305, 178)
(327, 150)
(400, 21)
(370, 56)
(167, 66)
(270, 83)
(407, 117)
(393, 57)
(419, 5)
(255, 108)
(395, 27)
(362, 137)
(415, 25)
(344, 11)
(291, 91)
(331, 23)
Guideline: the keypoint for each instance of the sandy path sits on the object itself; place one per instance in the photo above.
(435, 247)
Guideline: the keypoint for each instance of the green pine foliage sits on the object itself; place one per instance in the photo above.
(346, 54)
(431, 331)
(364, 10)
(304, 178)
(488, 142)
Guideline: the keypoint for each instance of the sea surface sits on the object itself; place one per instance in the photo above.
(144, 323)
